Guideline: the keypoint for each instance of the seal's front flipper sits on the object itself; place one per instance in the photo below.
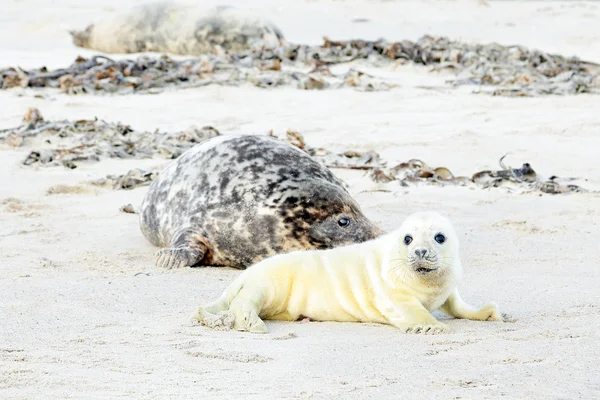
(177, 258)
(246, 306)
(455, 306)
(217, 306)
(216, 314)
(188, 247)
(410, 316)
(246, 319)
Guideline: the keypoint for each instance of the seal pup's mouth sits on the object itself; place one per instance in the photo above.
(424, 267)
(425, 270)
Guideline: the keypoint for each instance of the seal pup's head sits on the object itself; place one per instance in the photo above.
(427, 248)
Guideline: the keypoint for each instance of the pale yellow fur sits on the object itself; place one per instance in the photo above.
(368, 282)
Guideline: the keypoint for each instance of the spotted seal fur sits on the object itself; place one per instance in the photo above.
(236, 199)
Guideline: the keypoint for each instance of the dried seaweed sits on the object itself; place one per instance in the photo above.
(154, 74)
(518, 179)
(350, 159)
(507, 70)
(128, 209)
(132, 179)
(493, 68)
(69, 142)
(89, 140)
(367, 160)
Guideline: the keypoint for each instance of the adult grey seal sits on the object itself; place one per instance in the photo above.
(236, 199)
(184, 29)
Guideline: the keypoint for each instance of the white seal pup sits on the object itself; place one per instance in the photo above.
(234, 200)
(396, 279)
(178, 28)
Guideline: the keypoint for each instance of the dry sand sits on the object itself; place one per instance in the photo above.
(85, 314)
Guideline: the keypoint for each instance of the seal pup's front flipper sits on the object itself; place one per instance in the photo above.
(217, 306)
(246, 306)
(216, 315)
(456, 307)
(411, 317)
(188, 248)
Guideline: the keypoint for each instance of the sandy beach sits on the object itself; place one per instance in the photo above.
(85, 314)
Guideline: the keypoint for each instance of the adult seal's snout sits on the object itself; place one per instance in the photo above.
(236, 199)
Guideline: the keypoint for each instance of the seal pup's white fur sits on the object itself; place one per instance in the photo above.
(396, 279)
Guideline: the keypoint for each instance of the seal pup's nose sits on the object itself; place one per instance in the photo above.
(421, 253)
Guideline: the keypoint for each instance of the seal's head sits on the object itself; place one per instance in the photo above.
(326, 216)
(428, 246)
(82, 38)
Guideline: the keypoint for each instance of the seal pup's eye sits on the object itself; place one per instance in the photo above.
(407, 239)
(344, 222)
(440, 238)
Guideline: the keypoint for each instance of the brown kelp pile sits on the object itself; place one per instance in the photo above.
(510, 70)
(416, 171)
(347, 160)
(101, 74)
(132, 179)
(504, 70)
(514, 179)
(69, 142)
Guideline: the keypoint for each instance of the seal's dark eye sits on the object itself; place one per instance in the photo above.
(344, 222)
(407, 239)
(440, 238)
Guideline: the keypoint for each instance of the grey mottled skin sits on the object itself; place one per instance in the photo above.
(236, 199)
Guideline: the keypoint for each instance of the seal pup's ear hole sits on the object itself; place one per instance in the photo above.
(408, 240)
(344, 222)
(440, 238)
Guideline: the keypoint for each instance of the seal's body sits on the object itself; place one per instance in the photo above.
(184, 29)
(396, 279)
(236, 199)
